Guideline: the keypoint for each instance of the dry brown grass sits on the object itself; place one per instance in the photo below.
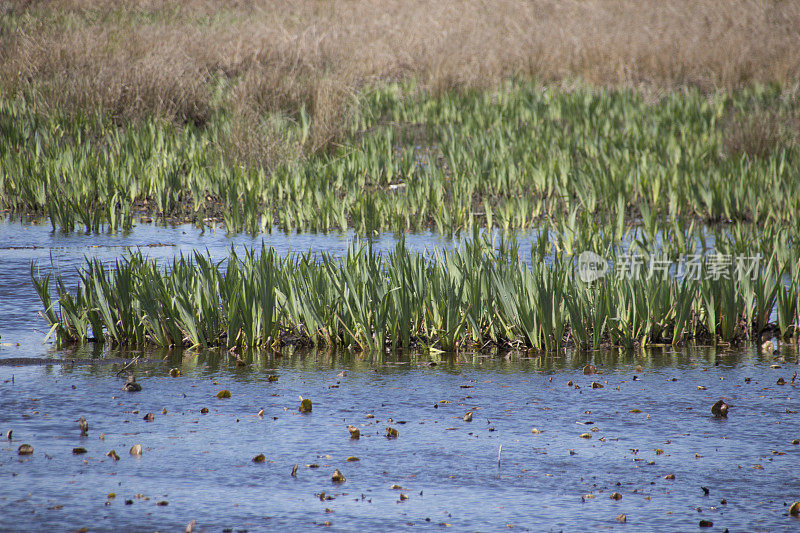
(134, 59)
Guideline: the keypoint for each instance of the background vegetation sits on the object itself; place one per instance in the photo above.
(198, 110)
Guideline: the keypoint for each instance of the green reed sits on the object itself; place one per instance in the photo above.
(509, 158)
(477, 294)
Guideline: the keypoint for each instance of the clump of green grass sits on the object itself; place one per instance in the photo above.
(477, 295)
(509, 158)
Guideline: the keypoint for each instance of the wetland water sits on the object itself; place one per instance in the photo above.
(645, 424)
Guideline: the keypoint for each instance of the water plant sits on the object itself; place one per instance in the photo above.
(483, 292)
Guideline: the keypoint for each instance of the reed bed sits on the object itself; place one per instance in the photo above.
(480, 294)
(508, 158)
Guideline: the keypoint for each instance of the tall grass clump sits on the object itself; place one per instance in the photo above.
(479, 294)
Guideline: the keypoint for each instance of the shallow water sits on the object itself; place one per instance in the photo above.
(201, 464)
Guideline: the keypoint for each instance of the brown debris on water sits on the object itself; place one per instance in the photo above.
(84, 425)
(468, 416)
(794, 509)
(392, 433)
(720, 409)
(224, 394)
(355, 433)
(131, 385)
(588, 370)
(113, 454)
(305, 406)
(136, 449)
(25, 449)
(338, 477)
(174, 372)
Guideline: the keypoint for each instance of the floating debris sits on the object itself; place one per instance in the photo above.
(113, 455)
(272, 378)
(79, 450)
(136, 449)
(352, 459)
(391, 433)
(403, 497)
(720, 409)
(669, 476)
(294, 471)
(596, 385)
(204, 410)
(537, 431)
(131, 385)
(261, 413)
(468, 416)
(588, 370)
(396, 487)
(355, 433)
(174, 372)
(225, 393)
(149, 417)
(616, 496)
(622, 518)
(585, 435)
(700, 387)
(338, 477)
(370, 415)
(25, 449)
(162, 503)
(768, 347)
(781, 381)
(305, 406)
(9, 434)
(84, 425)
(259, 458)
(706, 523)
(794, 509)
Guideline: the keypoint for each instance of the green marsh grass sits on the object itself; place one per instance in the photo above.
(480, 294)
(509, 158)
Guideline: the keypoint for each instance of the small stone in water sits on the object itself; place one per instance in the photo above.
(136, 449)
(338, 477)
